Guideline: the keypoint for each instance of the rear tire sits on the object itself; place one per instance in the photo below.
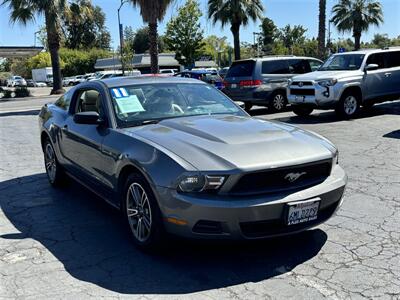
(141, 213)
(278, 102)
(54, 171)
(248, 106)
(348, 105)
(302, 111)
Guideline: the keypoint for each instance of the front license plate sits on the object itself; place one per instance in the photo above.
(302, 211)
(300, 98)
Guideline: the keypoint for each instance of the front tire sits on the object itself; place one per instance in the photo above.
(54, 171)
(302, 111)
(141, 213)
(278, 102)
(248, 106)
(348, 105)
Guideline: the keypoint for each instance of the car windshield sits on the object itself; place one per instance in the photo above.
(344, 62)
(149, 103)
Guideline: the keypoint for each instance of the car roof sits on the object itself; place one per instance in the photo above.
(277, 57)
(135, 80)
(367, 51)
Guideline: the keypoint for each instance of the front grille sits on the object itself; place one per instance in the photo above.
(279, 179)
(302, 83)
(275, 227)
(302, 92)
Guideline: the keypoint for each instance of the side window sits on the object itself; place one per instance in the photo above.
(314, 64)
(64, 101)
(377, 58)
(275, 67)
(393, 59)
(299, 66)
(89, 100)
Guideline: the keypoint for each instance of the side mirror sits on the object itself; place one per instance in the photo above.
(371, 67)
(88, 117)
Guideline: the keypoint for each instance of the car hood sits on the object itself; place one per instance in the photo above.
(320, 75)
(227, 142)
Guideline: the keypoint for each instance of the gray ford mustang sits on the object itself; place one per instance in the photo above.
(177, 156)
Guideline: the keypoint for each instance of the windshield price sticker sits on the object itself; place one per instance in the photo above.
(129, 104)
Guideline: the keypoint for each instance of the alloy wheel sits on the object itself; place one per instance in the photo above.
(278, 102)
(350, 105)
(138, 211)
(50, 162)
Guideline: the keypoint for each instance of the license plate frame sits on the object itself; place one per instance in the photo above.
(301, 212)
(300, 98)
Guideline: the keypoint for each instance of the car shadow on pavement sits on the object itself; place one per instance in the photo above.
(318, 117)
(393, 135)
(20, 113)
(88, 237)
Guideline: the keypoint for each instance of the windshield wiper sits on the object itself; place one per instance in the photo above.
(151, 121)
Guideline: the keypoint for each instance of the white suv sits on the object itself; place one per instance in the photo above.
(16, 81)
(346, 81)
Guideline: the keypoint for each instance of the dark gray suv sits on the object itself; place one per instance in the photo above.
(263, 81)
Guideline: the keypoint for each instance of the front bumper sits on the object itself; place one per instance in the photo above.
(250, 217)
(322, 97)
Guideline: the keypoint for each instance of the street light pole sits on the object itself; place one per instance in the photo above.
(34, 38)
(121, 38)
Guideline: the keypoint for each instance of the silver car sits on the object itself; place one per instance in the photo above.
(347, 81)
(178, 156)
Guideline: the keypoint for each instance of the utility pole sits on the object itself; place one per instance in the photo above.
(255, 36)
(329, 36)
(121, 38)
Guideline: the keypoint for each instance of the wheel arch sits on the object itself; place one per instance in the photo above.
(355, 89)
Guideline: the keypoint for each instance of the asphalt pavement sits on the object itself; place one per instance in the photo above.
(68, 244)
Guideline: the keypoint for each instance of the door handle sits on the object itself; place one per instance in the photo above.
(388, 74)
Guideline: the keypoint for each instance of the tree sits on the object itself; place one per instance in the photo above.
(269, 33)
(83, 26)
(216, 48)
(381, 40)
(24, 11)
(152, 12)
(139, 41)
(291, 36)
(236, 13)
(356, 16)
(321, 28)
(184, 34)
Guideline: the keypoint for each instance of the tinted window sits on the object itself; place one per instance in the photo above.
(275, 67)
(64, 101)
(378, 59)
(241, 68)
(393, 59)
(315, 65)
(343, 62)
(299, 66)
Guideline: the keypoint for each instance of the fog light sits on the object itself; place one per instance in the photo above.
(326, 94)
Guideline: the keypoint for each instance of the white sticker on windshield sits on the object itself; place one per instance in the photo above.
(129, 104)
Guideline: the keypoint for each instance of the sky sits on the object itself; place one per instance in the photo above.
(282, 12)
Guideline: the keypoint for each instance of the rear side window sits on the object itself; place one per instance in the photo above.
(241, 68)
(275, 67)
(299, 66)
(393, 59)
(64, 101)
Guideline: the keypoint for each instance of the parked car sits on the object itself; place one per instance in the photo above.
(177, 156)
(223, 72)
(68, 81)
(16, 81)
(30, 83)
(263, 81)
(170, 72)
(347, 81)
(208, 76)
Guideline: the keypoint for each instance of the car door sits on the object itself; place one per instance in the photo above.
(375, 82)
(82, 143)
(392, 74)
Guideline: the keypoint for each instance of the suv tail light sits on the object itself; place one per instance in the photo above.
(250, 83)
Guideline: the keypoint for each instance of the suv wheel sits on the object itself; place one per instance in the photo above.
(302, 111)
(348, 105)
(54, 171)
(141, 212)
(278, 102)
(248, 106)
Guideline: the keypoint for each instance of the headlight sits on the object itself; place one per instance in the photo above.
(328, 82)
(289, 82)
(199, 183)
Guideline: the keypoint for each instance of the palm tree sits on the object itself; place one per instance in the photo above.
(356, 16)
(321, 28)
(24, 11)
(236, 13)
(152, 12)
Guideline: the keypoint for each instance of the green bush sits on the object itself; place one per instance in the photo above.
(22, 92)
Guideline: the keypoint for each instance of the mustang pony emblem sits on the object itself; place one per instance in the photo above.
(294, 176)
